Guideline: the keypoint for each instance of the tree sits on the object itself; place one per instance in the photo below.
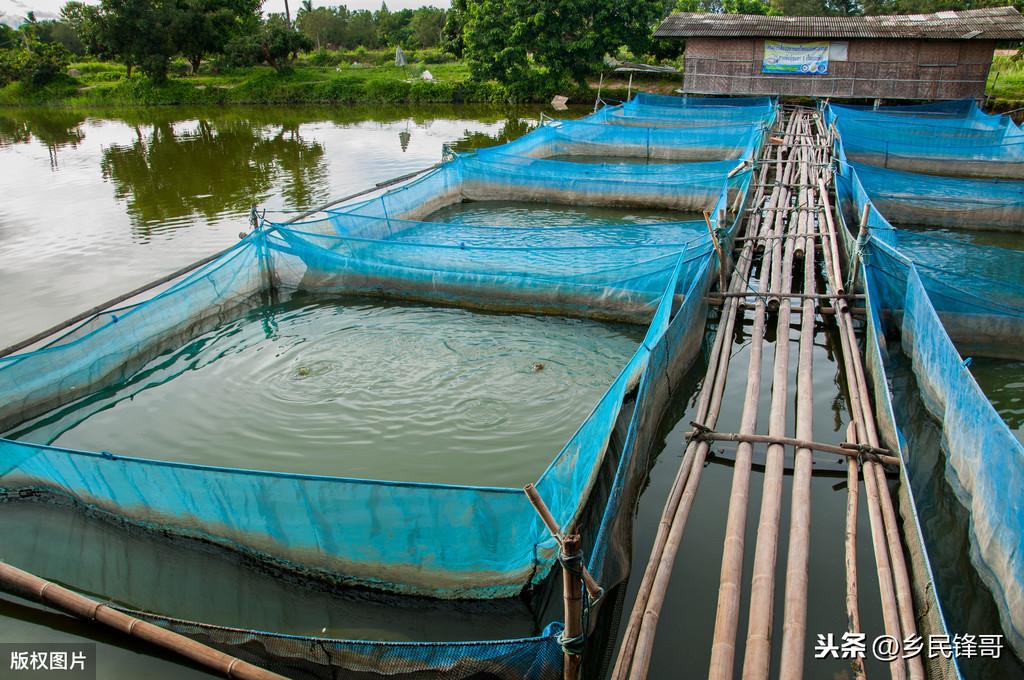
(136, 32)
(58, 32)
(546, 44)
(204, 27)
(276, 43)
(362, 30)
(454, 25)
(425, 27)
(41, 62)
(324, 25)
(8, 37)
(393, 27)
(84, 20)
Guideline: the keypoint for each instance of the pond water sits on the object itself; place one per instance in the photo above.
(360, 389)
(1002, 380)
(98, 202)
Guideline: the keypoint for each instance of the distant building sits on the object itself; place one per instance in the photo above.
(946, 55)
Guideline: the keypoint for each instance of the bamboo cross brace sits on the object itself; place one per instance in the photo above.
(593, 588)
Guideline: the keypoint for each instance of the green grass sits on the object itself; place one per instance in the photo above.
(320, 77)
(1006, 84)
(104, 84)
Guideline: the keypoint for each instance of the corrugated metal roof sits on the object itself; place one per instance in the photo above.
(994, 23)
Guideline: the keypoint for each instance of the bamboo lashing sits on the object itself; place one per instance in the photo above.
(593, 588)
(25, 584)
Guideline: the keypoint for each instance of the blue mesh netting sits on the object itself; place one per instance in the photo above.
(665, 111)
(436, 540)
(591, 136)
(972, 144)
(914, 198)
(937, 290)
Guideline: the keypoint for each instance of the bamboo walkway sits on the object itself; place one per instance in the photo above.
(789, 238)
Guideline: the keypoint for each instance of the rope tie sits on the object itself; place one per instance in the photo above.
(575, 645)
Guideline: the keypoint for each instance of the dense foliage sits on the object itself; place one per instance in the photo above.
(544, 45)
(532, 48)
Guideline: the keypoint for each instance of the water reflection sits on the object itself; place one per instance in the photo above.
(208, 167)
(53, 129)
(175, 164)
(100, 201)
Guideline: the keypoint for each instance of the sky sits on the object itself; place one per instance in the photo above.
(12, 11)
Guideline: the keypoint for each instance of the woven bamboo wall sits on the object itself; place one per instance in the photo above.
(875, 68)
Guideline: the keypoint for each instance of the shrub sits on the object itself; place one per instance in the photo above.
(323, 58)
(41, 63)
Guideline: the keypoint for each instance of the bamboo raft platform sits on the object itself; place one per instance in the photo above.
(789, 238)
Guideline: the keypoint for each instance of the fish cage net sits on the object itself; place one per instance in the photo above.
(968, 145)
(929, 291)
(439, 541)
(955, 202)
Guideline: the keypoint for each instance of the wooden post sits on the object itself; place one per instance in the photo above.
(572, 599)
(722, 264)
(53, 595)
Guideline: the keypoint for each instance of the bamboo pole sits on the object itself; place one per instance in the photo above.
(663, 569)
(635, 648)
(23, 583)
(572, 598)
(593, 589)
(723, 647)
(794, 633)
(863, 420)
(845, 449)
(718, 249)
(852, 606)
(756, 661)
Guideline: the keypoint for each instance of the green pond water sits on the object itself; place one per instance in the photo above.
(98, 202)
(1002, 380)
(359, 389)
(536, 215)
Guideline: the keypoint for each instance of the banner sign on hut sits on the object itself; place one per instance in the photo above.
(809, 58)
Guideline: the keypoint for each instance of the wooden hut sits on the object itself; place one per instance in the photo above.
(946, 55)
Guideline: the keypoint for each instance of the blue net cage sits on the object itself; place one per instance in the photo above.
(944, 299)
(441, 541)
(970, 144)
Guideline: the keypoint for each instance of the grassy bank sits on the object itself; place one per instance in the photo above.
(1005, 84)
(322, 77)
(102, 84)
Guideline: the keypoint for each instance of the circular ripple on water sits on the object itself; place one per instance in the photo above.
(381, 391)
